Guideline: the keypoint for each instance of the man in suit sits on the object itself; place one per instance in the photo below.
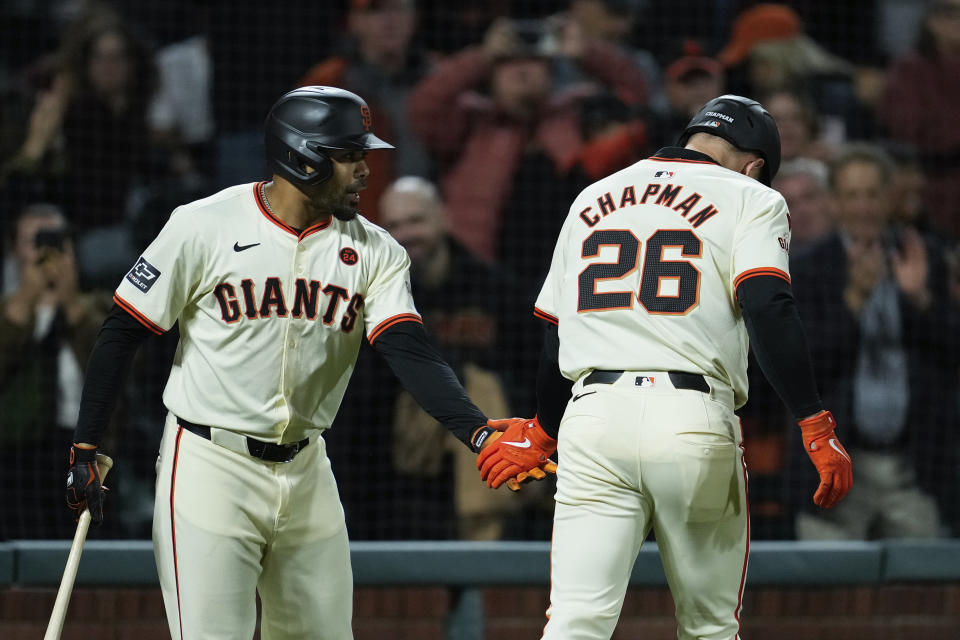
(883, 336)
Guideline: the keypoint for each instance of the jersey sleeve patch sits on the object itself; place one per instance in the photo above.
(543, 315)
(761, 271)
(139, 317)
(143, 275)
(389, 322)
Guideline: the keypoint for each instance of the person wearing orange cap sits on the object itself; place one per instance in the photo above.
(770, 48)
(761, 23)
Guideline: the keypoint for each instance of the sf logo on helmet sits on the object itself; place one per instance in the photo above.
(367, 118)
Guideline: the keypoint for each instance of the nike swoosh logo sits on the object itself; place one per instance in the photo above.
(578, 396)
(238, 248)
(521, 445)
(833, 444)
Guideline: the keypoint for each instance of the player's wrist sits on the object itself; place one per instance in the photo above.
(481, 437)
(82, 452)
(539, 435)
(817, 425)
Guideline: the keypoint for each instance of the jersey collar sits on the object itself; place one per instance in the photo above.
(679, 154)
(280, 223)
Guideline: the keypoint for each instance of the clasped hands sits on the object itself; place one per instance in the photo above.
(516, 452)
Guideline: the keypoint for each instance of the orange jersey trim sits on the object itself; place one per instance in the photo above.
(659, 159)
(320, 226)
(543, 315)
(280, 223)
(139, 317)
(389, 322)
(761, 271)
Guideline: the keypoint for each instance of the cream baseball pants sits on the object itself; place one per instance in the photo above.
(640, 454)
(228, 526)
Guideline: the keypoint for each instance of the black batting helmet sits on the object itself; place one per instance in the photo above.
(306, 123)
(745, 124)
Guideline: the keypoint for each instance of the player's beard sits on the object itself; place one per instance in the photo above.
(345, 212)
(335, 204)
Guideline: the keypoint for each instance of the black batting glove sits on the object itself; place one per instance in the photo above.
(83, 483)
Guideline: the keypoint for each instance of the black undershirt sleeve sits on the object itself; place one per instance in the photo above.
(553, 390)
(119, 338)
(429, 379)
(779, 342)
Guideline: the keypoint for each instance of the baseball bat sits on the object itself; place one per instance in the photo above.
(55, 626)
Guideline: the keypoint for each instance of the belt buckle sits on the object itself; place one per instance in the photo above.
(273, 452)
(259, 449)
(289, 450)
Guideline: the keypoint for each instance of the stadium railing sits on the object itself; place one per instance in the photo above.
(474, 564)
(466, 568)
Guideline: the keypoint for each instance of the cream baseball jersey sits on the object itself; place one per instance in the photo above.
(283, 312)
(645, 269)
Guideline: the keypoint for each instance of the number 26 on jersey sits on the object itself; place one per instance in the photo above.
(669, 287)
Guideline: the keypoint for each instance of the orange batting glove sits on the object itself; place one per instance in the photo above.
(487, 435)
(829, 457)
(520, 454)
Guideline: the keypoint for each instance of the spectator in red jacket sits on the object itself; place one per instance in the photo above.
(919, 107)
(504, 137)
(382, 62)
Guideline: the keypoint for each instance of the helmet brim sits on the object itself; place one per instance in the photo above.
(373, 142)
(366, 141)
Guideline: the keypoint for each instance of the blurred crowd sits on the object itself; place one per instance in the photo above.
(114, 113)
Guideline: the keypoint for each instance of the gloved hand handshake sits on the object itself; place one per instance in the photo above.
(517, 452)
(829, 457)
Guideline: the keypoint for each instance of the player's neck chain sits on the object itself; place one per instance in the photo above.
(266, 203)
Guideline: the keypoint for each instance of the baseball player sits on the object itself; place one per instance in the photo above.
(274, 285)
(660, 274)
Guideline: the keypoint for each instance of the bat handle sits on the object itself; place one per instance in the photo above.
(59, 614)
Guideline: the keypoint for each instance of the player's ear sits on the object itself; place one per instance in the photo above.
(752, 167)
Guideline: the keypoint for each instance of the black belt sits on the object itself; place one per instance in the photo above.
(258, 448)
(679, 379)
